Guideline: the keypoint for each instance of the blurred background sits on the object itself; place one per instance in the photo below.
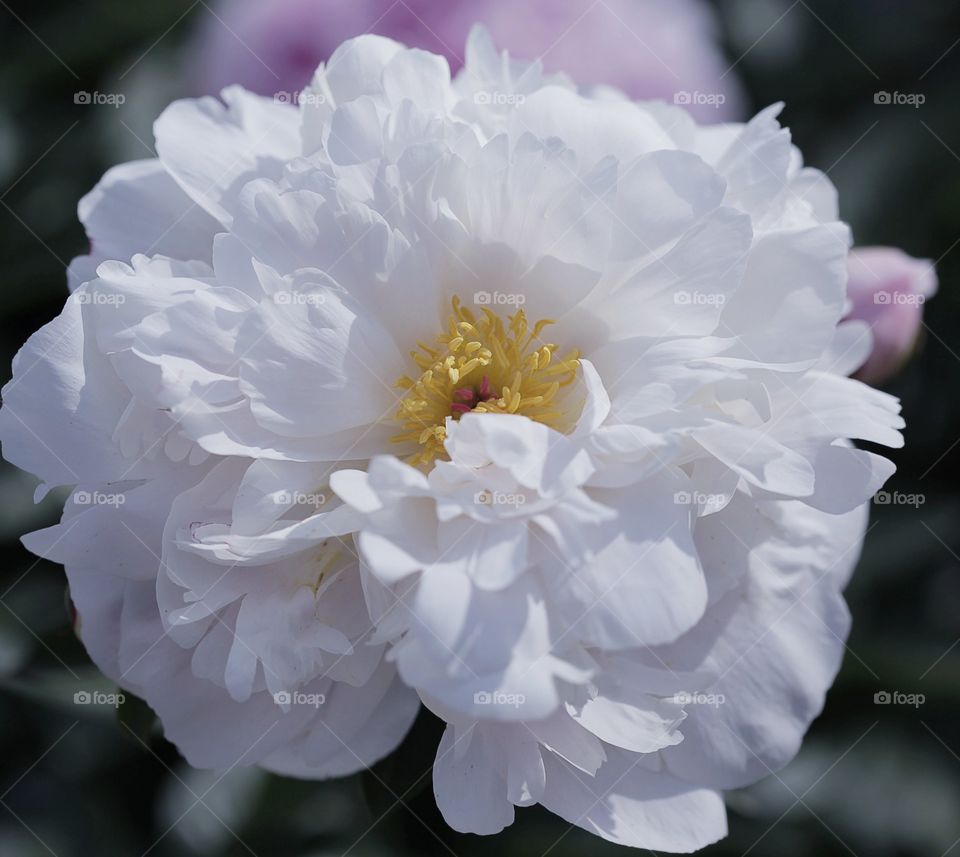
(871, 90)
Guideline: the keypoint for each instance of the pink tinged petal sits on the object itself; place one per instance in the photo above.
(888, 289)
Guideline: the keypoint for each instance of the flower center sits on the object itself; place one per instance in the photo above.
(484, 365)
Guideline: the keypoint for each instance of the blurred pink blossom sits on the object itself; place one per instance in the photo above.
(650, 49)
(887, 289)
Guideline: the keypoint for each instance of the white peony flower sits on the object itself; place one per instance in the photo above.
(526, 404)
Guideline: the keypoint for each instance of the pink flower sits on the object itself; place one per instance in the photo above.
(650, 49)
(887, 289)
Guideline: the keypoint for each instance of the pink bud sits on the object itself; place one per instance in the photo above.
(887, 289)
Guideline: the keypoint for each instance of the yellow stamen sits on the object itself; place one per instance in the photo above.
(521, 374)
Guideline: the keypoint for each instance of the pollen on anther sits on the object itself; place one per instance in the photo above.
(481, 365)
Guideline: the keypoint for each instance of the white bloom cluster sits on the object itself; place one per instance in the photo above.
(487, 394)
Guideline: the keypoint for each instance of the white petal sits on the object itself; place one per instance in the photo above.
(645, 584)
(758, 458)
(684, 291)
(630, 805)
(630, 719)
(354, 729)
(212, 150)
(138, 208)
(786, 623)
(792, 296)
(485, 654)
(62, 405)
(469, 790)
(316, 340)
(593, 129)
